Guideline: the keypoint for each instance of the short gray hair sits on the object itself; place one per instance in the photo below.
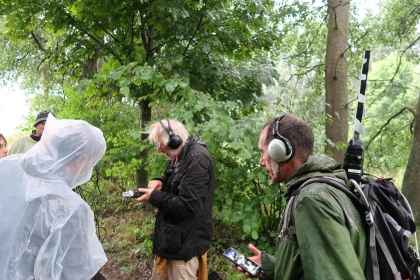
(159, 134)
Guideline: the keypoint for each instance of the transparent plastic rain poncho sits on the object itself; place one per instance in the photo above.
(47, 231)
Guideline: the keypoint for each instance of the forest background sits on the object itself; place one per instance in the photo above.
(223, 68)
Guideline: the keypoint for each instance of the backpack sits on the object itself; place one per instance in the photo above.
(388, 222)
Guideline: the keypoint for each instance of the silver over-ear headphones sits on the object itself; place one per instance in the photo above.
(280, 148)
(174, 140)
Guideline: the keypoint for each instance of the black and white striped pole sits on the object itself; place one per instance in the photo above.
(353, 159)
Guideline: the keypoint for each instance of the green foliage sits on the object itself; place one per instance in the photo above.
(219, 47)
(390, 115)
(399, 25)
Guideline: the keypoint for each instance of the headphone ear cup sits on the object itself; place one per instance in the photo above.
(174, 141)
(277, 151)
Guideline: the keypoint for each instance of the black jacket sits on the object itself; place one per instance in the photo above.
(184, 222)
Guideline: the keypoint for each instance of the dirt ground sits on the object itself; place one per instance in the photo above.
(111, 270)
(123, 262)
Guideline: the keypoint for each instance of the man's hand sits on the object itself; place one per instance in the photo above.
(256, 259)
(146, 195)
(155, 184)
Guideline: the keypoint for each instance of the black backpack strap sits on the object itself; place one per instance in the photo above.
(289, 219)
(288, 226)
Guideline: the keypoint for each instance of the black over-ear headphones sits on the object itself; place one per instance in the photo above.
(280, 148)
(174, 140)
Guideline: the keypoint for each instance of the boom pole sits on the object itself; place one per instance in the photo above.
(353, 159)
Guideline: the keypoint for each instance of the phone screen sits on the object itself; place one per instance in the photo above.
(242, 261)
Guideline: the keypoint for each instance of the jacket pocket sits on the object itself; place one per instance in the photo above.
(172, 237)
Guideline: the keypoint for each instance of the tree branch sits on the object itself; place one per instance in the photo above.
(37, 41)
(195, 32)
(106, 31)
(348, 47)
(388, 122)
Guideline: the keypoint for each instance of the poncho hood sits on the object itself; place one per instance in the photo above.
(67, 151)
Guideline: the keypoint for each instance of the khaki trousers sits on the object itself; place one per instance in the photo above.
(178, 270)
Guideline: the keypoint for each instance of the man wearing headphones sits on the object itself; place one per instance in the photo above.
(327, 239)
(184, 196)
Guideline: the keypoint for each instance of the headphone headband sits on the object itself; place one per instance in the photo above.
(174, 140)
(167, 128)
(276, 133)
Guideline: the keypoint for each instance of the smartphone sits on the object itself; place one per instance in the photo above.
(243, 262)
(132, 194)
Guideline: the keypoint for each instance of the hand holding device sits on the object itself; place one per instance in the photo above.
(132, 194)
(243, 262)
(155, 184)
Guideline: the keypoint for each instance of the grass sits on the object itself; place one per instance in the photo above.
(126, 237)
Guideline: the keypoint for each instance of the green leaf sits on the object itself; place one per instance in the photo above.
(170, 87)
(125, 91)
(211, 146)
(247, 228)
(124, 83)
(236, 145)
(262, 177)
(138, 81)
(229, 201)
(255, 227)
(248, 143)
(223, 129)
(236, 217)
(251, 176)
(85, 82)
(254, 235)
(117, 75)
(246, 154)
(100, 76)
(143, 147)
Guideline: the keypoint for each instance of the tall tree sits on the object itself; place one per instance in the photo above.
(336, 90)
(410, 182)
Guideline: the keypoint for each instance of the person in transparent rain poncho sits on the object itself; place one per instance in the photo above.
(47, 230)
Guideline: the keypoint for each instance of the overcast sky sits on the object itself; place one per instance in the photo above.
(12, 109)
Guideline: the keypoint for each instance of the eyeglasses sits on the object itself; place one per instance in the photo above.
(159, 145)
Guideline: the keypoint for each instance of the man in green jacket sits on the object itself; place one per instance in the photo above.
(328, 240)
(23, 144)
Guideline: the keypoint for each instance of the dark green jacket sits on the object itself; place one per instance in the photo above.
(331, 241)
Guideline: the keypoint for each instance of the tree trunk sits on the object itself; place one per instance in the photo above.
(411, 187)
(146, 35)
(336, 91)
(145, 117)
